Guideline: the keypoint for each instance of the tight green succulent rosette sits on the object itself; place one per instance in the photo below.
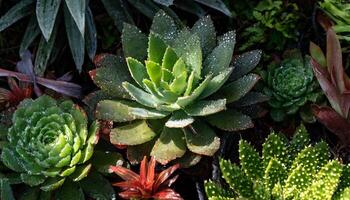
(176, 83)
(292, 87)
(49, 143)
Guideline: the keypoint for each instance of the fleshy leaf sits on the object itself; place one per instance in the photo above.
(230, 120)
(245, 63)
(164, 26)
(206, 107)
(205, 29)
(179, 119)
(134, 42)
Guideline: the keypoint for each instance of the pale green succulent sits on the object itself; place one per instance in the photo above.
(292, 170)
(176, 83)
(49, 142)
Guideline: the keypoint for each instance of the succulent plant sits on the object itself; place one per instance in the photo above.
(147, 185)
(186, 83)
(291, 86)
(49, 142)
(15, 95)
(284, 170)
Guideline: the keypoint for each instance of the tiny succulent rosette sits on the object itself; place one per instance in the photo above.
(49, 142)
(174, 85)
(292, 87)
(284, 170)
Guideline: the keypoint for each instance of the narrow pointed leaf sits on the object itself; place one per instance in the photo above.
(216, 82)
(32, 31)
(70, 191)
(164, 26)
(90, 34)
(43, 54)
(17, 12)
(205, 29)
(134, 42)
(5, 190)
(244, 63)
(77, 13)
(46, 12)
(137, 70)
(97, 187)
(230, 120)
(217, 5)
(156, 48)
(117, 11)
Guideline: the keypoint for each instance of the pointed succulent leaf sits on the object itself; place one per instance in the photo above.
(205, 30)
(169, 60)
(317, 54)
(141, 96)
(170, 145)
(46, 12)
(17, 12)
(245, 63)
(77, 11)
(123, 111)
(300, 140)
(230, 120)
(70, 191)
(137, 70)
(201, 139)
(250, 160)
(164, 26)
(216, 83)
(97, 187)
(90, 34)
(32, 180)
(215, 192)
(179, 119)
(137, 132)
(275, 147)
(134, 42)
(275, 173)
(5, 190)
(206, 107)
(251, 98)
(52, 184)
(136, 153)
(156, 48)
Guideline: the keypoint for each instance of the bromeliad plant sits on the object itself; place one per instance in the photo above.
(284, 170)
(49, 143)
(185, 82)
(148, 184)
(292, 87)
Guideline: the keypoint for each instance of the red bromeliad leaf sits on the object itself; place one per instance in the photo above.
(148, 184)
(334, 122)
(16, 93)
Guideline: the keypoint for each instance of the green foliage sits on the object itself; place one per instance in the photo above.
(285, 170)
(275, 23)
(291, 86)
(187, 79)
(49, 142)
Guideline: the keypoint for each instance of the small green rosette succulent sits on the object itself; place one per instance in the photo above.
(175, 86)
(292, 87)
(49, 142)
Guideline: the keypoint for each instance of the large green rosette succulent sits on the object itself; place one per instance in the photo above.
(49, 142)
(172, 87)
(292, 87)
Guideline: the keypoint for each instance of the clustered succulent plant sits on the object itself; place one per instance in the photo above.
(284, 170)
(291, 86)
(49, 143)
(185, 83)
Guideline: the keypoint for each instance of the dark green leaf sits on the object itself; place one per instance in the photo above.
(148, 8)
(179, 119)
(116, 10)
(169, 146)
(165, 2)
(206, 107)
(52, 183)
(32, 180)
(30, 194)
(75, 36)
(31, 32)
(188, 160)
(137, 70)
(141, 96)
(217, 5)
(90, 34)
(76, 10)
(250, 99)
(134, 42)
(164, 26)
(102, 160)
(123, 111)
(5, 190)
(17, 12)
(201, 139)
(10, 158)
(97, 187)
(70, 191)
(81, 172)
(156, 48)
(230, 120)
(216, 83)
(191, 7)
(244, 63)
(46, 12)
(136, 153)
(136, 133)
(205, 29)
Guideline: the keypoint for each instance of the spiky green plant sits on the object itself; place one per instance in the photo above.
(185, 82)
(49, 142)
(284, 170)
(291, 86)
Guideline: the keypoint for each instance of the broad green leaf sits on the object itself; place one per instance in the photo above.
(179, 84)
(188, 160)
(216, 83)
(161, 95)
(164, 2)
(137, 70)
(239, 88)
(52, 184)
(188, 47)
(220, 58)
(201, 139)
(102, 160)
(205, 30)
(77, 13)
(90, 34)
(169, 59)
(230, 120)
(10, 158)
(170, 145)
(32, 31)
(179, 119)
(136, 153)
(32, 180)
(117, 11)
(245, 63)
(156, 48)
(123, 111)
(17, 12)
(141, 96)
(251, 98)
(135, 133)
(206, 107)
(217, 5)
(135, 43)
(97, 187)
(75, 34)
(154, 72)
(70, 191)
(164, 26)
(5, 190)
(46, 12)
(81, 172)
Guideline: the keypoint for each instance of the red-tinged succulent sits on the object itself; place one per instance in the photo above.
(15, 94)
(148, 184)
(335, 84)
